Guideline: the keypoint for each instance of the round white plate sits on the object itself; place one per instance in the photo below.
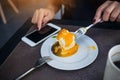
(85, 55)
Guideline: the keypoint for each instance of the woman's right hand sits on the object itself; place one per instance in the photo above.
(108, 11)
(42, 16)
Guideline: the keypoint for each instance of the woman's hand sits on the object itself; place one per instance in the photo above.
(42, 16)
(108, 11)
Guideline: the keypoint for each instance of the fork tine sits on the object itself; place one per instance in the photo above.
(82, 30)
(47, 58)
(43, 60)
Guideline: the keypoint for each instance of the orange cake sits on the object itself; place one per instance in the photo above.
(65, 45)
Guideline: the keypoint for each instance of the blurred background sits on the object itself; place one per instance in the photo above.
(16, 12)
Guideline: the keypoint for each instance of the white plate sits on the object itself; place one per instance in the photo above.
(85, 55)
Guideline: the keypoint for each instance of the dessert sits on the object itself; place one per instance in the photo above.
(65, 45)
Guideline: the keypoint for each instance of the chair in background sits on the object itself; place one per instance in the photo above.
(2, 12)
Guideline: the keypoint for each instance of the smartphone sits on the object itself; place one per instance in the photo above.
(35, 37)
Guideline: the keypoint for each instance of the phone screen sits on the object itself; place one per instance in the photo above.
(39, 35)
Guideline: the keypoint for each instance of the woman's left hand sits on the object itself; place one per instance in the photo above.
(108, 11)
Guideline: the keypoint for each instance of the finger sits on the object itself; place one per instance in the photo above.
(40, 19)
(46, 18)
(34, 18)
(100, 10)
(115, 13)
(107, 12)
(118, 18)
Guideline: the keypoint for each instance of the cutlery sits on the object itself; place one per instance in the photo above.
(82, 30)
(38, 64)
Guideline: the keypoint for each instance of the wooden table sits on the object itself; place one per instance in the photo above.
(23, 57)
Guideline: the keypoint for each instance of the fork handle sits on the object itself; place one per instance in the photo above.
(99, 21)
(23, 75)
(30, 70)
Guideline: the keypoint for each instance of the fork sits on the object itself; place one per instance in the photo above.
(82, 30)
(38, 63)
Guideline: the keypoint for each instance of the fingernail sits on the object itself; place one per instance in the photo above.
(38, 27)
(94, 20)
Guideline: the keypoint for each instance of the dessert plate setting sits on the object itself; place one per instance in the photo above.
(86, 54)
